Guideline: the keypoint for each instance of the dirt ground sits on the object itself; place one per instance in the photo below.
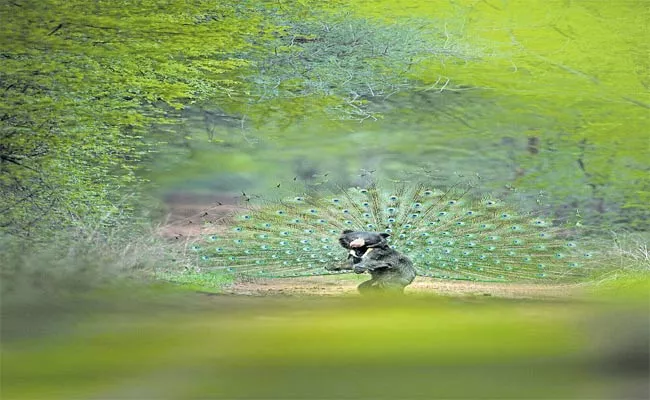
(337, 285)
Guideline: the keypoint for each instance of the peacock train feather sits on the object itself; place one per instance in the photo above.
(446, 234)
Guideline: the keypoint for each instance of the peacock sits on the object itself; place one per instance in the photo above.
(447, 234)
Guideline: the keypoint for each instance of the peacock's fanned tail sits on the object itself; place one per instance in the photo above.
(446, 234)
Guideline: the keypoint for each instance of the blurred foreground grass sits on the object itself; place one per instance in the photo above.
(166, 343)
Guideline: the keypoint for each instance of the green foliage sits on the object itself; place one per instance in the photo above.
(82, 84)
(334, 58)
(209, 281)
(91, 93)
(533, 103)
(572, 77)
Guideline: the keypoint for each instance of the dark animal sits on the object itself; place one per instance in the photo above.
(369, 252)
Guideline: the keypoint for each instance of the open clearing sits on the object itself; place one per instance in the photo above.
(346, 285)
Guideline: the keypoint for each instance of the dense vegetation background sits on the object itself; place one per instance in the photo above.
(108, 106)
(102, 101)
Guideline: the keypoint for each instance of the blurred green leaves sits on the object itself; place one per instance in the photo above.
(222, 347)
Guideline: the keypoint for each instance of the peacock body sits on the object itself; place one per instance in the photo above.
(446, 233)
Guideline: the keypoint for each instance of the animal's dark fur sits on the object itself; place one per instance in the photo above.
(370, 252)
(370, 239)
